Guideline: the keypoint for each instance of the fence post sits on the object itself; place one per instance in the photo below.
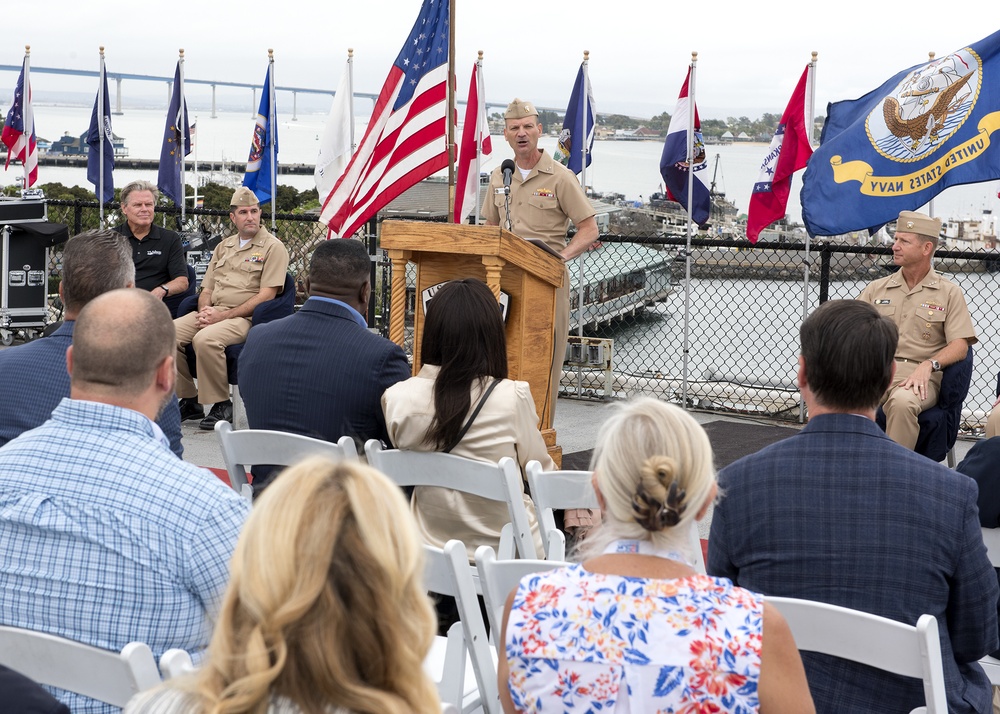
(824, 272)
(77, 217)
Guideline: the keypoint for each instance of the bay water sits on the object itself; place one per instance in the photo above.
(627, 167)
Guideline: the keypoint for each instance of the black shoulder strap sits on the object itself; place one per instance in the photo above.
(472, 417)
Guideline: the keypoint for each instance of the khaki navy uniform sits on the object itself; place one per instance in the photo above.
(234, 276)
(542, 207)
(928, 317)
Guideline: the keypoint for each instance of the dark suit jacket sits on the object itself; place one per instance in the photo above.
(35, 380)
(841, 514)
(320, 374)
(24, 696)
(982, 463)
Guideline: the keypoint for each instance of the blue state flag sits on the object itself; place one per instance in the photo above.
(576, 131)
(259, 168)
(100, 124)
(176, 144)
(929, 127)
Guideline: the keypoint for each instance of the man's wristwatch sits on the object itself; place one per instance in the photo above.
(935, 365)
(166, 293)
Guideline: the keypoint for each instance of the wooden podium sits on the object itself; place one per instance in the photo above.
(527, 273)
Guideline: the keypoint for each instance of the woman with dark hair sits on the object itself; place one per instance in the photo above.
(462, 403)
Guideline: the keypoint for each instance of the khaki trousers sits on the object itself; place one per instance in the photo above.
(903, 406)
(560, 339)
(993, 423)
(210, 352)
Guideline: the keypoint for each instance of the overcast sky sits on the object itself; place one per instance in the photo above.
(750, 54)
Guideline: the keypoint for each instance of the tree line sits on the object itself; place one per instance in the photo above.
(760, 129)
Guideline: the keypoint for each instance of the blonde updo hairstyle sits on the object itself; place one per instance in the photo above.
(326, 604)
(654, 466)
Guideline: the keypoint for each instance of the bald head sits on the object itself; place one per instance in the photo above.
(341, 269)
(120, 340)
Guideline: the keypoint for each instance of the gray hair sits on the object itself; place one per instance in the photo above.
(653, 464)
(93, 263)
(139, 185)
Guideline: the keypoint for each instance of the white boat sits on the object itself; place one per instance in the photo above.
(619, 279)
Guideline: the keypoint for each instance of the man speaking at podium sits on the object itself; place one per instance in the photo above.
(544, 197)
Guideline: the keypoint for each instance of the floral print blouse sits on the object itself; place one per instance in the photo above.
(584, 642)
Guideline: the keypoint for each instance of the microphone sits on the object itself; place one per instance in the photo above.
(508, 170)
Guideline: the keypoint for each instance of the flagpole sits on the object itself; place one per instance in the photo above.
(479, 132)
(930, 204)
(582, 141)
(810, 113)
(28, 114)
(100, 119)
(811, 97)
(194, 198)
(180, 127)
(451, 107)
(350, 90)
(687, 249)
(270, 129)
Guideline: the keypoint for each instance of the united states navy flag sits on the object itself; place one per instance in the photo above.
(929, 127)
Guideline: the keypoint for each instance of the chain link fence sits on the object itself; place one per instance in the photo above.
(726, 339)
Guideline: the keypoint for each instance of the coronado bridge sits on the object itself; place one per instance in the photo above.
(119, 77)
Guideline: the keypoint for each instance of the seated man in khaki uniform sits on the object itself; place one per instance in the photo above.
(935, 328)
(246, 269)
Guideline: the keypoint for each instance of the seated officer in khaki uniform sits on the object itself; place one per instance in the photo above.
(246, 269)
(935, 329)
(544, 197)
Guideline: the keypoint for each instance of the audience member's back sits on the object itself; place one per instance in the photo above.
(320, 372)
(108, 537)
(325, 610)
(841, 514)
(35, 378)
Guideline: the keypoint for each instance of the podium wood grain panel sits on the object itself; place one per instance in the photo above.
(528, 274)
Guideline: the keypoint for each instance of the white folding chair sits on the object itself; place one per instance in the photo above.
(462, 663)
(499, 578)
(498, 482)
(552, 490)
(991, 537)
(174, 663)
(872, 640)
(111, 677)
(246, 447)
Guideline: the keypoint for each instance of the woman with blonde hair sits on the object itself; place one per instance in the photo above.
(325, 611)
(633, 627)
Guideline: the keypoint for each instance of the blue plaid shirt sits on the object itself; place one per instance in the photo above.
(40, 381)
(108, 537)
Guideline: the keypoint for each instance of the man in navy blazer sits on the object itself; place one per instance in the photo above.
(841, 514)
(35, 377)
(320, 372)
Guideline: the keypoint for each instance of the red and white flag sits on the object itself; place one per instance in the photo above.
(789, 152)
(406, 139)
(19, 128)
(475, 144)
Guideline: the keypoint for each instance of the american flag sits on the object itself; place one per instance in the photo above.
(406, 138)
(19, 128)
